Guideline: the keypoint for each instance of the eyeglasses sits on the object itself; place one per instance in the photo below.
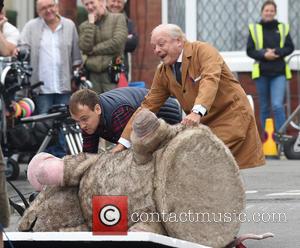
(45, 8)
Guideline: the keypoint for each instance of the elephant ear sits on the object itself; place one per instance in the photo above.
(198, 189)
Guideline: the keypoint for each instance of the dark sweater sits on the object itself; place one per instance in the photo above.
(271, 39)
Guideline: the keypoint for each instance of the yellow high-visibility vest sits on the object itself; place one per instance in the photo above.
(256, 31)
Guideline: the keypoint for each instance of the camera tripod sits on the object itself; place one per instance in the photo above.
(61, 123)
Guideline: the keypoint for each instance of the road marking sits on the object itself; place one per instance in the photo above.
(284, 194)
(294, 191)
(251, 191)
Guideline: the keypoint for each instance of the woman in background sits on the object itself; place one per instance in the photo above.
(269, 42)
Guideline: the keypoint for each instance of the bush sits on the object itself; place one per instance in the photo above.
(82, 15)
(12, 17)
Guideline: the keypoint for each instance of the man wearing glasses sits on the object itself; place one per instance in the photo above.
(53, 42)
(54, 54)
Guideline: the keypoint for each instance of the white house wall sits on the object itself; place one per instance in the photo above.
(238, 61)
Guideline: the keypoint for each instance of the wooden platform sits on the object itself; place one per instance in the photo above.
(87, 239)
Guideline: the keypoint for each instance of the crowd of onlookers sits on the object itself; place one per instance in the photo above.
(57, 47)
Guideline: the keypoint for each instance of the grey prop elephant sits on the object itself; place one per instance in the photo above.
(170, 169)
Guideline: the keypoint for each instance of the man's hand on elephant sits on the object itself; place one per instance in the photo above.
(192, 119)
(118, 148)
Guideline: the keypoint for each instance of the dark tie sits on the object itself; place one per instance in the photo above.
(177, 71)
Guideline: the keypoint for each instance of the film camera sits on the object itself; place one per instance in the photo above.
(14, 85)
(79, 80)
(59, 115)
(14, 75)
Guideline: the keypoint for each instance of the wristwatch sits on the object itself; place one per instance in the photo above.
(197, 112)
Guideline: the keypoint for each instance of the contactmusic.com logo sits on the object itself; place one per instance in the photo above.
(110, 215)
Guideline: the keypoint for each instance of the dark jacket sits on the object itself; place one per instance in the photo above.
(132, 41)
(271, 39)
(102, 41)
(110, 102)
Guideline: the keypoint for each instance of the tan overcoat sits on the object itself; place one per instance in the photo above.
(207, 80)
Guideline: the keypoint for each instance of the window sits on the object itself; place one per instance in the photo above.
(225, 23)
(222, 23)
(176, 13)
(294, 21)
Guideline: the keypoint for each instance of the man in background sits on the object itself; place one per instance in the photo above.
(106, 115)
(54, 54)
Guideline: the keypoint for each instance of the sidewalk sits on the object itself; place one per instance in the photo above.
(23, 185)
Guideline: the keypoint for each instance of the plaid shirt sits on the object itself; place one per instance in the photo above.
(108, 131)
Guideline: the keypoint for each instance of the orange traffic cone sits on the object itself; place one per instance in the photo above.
(122, 80)
(269, 145)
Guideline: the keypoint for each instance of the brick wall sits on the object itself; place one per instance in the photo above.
(146, 15)
(67, 8)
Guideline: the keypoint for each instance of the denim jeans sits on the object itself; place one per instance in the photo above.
(44, 103)
(271, 93)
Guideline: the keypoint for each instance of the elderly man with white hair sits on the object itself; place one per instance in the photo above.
(196, 74)
(54, 54)
(53, 42)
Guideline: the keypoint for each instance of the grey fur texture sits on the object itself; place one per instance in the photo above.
(172, 169)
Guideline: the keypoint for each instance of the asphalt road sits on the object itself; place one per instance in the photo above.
(273, 203)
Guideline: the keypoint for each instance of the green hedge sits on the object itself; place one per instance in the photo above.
(82, 15)
(12, 16)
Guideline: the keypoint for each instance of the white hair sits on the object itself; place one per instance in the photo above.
(125, 1)
(54, 1)
(172, 29)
